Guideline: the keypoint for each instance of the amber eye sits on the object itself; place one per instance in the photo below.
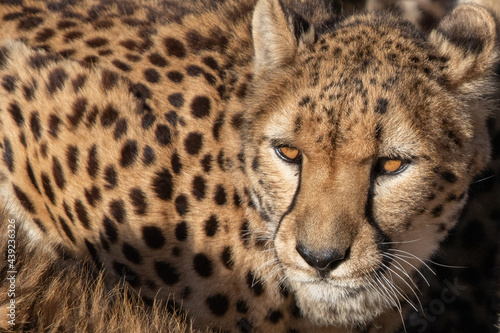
(392, 166)
(289, 154)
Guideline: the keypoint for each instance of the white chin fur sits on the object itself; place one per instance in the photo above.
(325, 305)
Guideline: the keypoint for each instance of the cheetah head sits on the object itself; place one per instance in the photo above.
(361, 141)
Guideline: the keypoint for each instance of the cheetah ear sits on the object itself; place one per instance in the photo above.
(277, 35)
(467, 37)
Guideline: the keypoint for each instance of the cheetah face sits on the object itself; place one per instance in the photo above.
(360, 148)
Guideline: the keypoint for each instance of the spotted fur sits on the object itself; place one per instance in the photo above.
(153, 153)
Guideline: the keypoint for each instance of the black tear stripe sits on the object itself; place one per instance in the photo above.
(292, 204)
(381, 238)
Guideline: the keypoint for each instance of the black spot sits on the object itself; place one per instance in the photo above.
(220, 195)
(450, 177)
(79, 82)
(57, 78)
(211, 226)
(82, 214)
(35, 126)
(206, 163)
(227, 257)
(9, 83)
(199, 187)
(172, 117)
(127, 274)
(237, 120)
(29, 92)
(242, 306)
(202, 265)
(157, 60)
(381, 107)
(305, 101)
(111, 177)
(31, 175)
(218, 304)
(121, 65)
(48, 189)
(245, 233)
(148, 120)
(108, 79)
(193, 70)
(148, 156)
(153, 237)
(24, 200)
(140, 91)
(218, 123)
(89, 61)
(274, 316)
(93, 195)
(181, 205)
(211, 62)
(93, 162)
(110, 229)
(79, 109)
(120, 128)
(200, 106)
(437, 211)
(4, 56)
(104, 242)
(39, 61)
(175, 76)
(129, 153)
(255, 163)
(175, 48)
(129, 44)
(193, 143)
(93, 253)
(131, 253)
(152, 75)
(72, 158)
(138, 200)
(30, 23)
(16, 113)
(181, 231)
(109, 116)
(163, 135)
(44, 35)
(97, 42)
(67, 230)
(58, 173)
(163, 184)
(176, 163)
(117, 210)
(237, 199)
(65, 24)
(68, 212)
(176, 99)
(8, 155)
(103, 24)
(166, 272)
(54, 123)
(255, 284)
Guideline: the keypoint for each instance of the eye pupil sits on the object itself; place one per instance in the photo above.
(392, 165)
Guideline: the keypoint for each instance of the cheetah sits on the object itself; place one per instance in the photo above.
(255, 170)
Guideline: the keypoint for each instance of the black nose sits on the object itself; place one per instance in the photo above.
(323, 261)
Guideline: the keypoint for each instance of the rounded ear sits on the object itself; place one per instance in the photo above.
(277, 34)
(467, 37)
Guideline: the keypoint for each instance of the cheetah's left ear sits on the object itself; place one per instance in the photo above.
(467, 37)
(277, 35)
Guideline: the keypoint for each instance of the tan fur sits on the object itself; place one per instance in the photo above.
(177, 186)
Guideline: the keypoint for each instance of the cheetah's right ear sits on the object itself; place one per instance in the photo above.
(277, 35)
(467, 37)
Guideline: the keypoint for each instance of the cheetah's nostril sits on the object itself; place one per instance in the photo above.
(324, 261)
